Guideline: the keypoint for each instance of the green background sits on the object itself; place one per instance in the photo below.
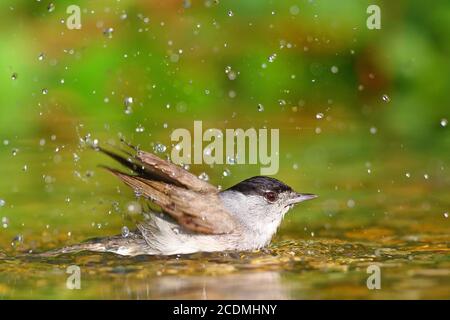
(378, 157)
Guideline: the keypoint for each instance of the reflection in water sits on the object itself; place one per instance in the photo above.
(288, 269)
(247, 285)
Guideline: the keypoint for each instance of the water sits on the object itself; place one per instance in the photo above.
(363, 123)
(322, 250)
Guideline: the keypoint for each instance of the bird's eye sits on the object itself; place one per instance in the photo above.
(271, 196)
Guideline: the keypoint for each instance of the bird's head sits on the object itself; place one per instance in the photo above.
(261, 202)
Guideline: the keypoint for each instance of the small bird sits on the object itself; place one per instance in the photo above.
(195, 215)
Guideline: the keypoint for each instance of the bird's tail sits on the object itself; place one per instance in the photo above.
(131, 245)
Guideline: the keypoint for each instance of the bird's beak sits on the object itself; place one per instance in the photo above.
(300, 197)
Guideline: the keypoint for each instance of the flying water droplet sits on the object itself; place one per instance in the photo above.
(334, 69)
(444, 122)
(14, 76)
(41, 56)
(260, 107)
(44, 91)
(319, 115)
(203, 176)
(2, 203)
(5, 222)
(226, 173)
(386, 98)
(159, 148)
(51, 7)
(231, 160)
(128, 103)
(294, 10)
(230, 13)
(108, 32)
(446, 215)
(272, 57)
(125, 231)
(140, 129)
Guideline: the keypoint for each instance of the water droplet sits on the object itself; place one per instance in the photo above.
(350, 203)
(319, 115)
(426, 176)
(231, 160)
(408, 175)
(125, 231)
(272, 57)
(159, 148)
(386, 98)
(14, 151)
(14, 76)
(230, 13)
(25, 168)
(446, 215)
(41, 56)
(260, 107)
(140, 129)
(203, 176)
(373, 130)
(128, 102)
(5, 222)
(45, 91)
(294, 10)
(226, 173)
(334, 69)
(2, 203)
(51, 7)
(444, 122)
(230, 73)
(108, 32)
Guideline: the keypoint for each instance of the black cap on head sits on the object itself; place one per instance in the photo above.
(260, 185)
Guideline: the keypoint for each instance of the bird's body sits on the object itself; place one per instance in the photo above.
(196, 216)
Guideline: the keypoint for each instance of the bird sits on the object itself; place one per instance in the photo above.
(195, 216)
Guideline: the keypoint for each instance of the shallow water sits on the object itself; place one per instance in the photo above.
(323, 249)
(301, 270)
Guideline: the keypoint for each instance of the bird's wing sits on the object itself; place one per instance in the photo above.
(175, 173)
(154, 168)
(199, 212)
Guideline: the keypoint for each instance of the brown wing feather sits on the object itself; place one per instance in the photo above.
(150, 166)
(175, 173)
(195, 211)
